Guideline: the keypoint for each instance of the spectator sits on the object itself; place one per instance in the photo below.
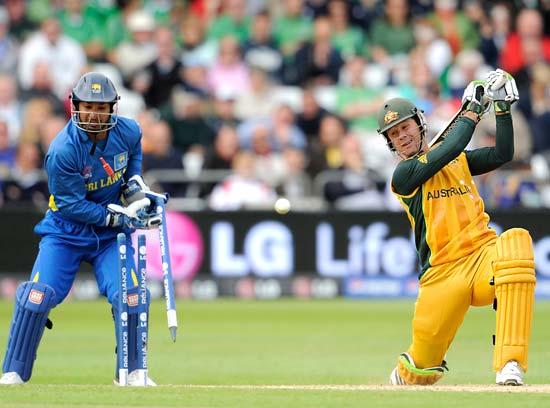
(158, 153)
(325, 153)
(537, 107)
(292, 29)
(10, 106)
(115, 27)
(346, 39)
(48, 130)
(391, 34)
(222, 111)
(158, 79)
(7, 151)
(532, 56)
(434, 50)
(9, 48)
(232, 22)
(317, 62)
(454, 26)
(134, 54)
(42, 87)
(468, 66)
(186, 119)
(364, 12)
(37, 111)
(63, 55)
(501, 24)
(242, 189)
(26, 183)
(315, 8)
(258, 101)
(476, 13)
(309, 119)
(294, 182)
(82, 26)
(195, 80)
(356, 102)
(229, 73)
(280, 132)
(21, 27)
(356, 187)
(529, 29)
(260, 49)
(196, 50)
(221, 153)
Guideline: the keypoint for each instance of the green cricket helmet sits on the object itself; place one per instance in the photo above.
(395, 111)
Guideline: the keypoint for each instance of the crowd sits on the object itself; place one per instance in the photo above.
(277, 97)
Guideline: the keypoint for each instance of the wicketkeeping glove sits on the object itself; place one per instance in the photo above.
(138, 215)
(134, 189)
(473, 98)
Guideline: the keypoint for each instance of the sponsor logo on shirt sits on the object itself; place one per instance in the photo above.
(121, 160)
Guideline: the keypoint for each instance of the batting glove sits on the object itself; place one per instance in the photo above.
(502, 88)
(473, 98)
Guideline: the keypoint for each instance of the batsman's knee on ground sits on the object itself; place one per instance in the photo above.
(514, 280)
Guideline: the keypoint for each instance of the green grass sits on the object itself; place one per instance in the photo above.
(231, 342)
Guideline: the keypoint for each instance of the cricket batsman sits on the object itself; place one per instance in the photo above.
(463, 262)
(94, 177)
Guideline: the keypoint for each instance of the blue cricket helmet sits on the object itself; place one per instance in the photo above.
(94, 87)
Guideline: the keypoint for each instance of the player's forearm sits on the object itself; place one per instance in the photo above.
(488, 159)
(504, 146)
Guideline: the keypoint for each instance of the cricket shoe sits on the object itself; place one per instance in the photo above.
(11, 378)
(511, 374)
(395, 378)
(135, 380)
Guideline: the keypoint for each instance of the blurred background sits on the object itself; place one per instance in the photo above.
(242, 102)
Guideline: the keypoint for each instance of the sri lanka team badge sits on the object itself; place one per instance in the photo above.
(96, 88)
(121, 160)
(390, 116)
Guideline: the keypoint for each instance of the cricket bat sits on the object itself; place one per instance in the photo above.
(443, 132)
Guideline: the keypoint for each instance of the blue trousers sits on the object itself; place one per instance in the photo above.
(65, 245)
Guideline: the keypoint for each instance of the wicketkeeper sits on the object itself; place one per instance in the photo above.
(463, 262)
(94, 177)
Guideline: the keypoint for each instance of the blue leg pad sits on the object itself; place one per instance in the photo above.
(33, 303)
(135, 310)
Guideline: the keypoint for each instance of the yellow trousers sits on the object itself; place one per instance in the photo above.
(445, 294)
